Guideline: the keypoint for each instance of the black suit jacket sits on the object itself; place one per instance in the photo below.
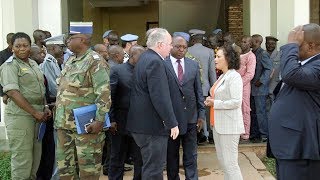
(294, 125)
(187, 98)
(120, 83)
(150, 109)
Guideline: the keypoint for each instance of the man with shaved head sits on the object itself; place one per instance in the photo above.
(294, 126)
(102, 50)
(260, 91)
(116, 55)
(37, 54)
(39, 36)
(121, 141)
(247, 69)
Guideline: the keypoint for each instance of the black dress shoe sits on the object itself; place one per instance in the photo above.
(105, 171)
(264, 139)
(244, 141)
(255, 140)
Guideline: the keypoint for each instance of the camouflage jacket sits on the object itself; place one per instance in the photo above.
(83, 81)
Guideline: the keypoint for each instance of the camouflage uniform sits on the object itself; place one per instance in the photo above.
(83, 81)
(22, 128)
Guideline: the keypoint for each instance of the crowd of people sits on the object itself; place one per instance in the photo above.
(181, 90)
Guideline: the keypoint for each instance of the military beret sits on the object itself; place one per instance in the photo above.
(196, 31)
(129, 37)
(105, 34)
(186, 36)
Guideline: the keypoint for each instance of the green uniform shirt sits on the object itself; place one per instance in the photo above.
(83, 81)
(188, 55)
(28, 79)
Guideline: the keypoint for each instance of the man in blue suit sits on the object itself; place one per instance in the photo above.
(151, 113)
(294, 126)
(188, 106)
(260, 91)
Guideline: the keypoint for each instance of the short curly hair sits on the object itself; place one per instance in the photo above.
(19, 35)
(232, 57)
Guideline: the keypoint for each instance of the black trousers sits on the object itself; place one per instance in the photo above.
(154, 153)
(106, 151)
(48, 153)
(189, 145)
(120, 145)
(298, 169)
(254, 125)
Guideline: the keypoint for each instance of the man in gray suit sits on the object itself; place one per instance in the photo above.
(208, 76)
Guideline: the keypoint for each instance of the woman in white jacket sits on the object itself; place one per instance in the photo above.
(226, 115)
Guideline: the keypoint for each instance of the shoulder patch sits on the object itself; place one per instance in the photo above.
(9, 60)
(49, 59)
(96, 56)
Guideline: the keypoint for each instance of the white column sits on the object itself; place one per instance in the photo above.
(297, 13)
(50, 18)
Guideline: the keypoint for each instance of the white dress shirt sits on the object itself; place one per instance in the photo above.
(175, 64)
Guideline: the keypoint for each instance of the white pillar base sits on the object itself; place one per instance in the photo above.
(3, 133)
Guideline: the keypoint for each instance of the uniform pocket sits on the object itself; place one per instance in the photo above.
(18, 140)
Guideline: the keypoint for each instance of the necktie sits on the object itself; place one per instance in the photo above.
(180, 71)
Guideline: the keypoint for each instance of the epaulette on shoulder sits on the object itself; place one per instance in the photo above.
(49, 59)
(9, 60)
(96, 57)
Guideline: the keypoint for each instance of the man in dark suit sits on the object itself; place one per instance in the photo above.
(294, 126)
(260, 91)
(188, 105)
(121, 141)
(151, 114)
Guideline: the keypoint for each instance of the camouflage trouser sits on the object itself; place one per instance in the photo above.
(25, 149)
(86, 148)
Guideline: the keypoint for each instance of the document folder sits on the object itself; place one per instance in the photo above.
(85, 115)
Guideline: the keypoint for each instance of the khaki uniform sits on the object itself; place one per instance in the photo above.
(83, 81)
(22, 128)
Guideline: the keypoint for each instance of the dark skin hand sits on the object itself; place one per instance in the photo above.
(95, 127)
(5, 99)
(19, 100)
(199, 124)
(113, 128)
(258, 83)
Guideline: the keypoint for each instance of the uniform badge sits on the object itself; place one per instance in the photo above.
(96, 57)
